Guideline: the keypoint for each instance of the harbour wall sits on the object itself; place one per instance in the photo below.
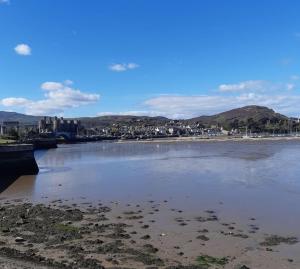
(17, 160)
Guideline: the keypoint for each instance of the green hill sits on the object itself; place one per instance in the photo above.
(254, 117)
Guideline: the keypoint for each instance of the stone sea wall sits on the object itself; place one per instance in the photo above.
(17, 160)
(43, 143)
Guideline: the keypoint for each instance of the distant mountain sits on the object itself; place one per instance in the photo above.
(102, 121)
(105, 121)
(241, 116)
(255, 117)
(14, 116)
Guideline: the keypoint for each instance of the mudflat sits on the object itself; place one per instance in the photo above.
(63, 234)
(156, 205)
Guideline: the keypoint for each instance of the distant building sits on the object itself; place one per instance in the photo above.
(58, 125)
(8, 126)
(161, 130)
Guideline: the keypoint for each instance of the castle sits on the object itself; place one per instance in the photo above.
(58, 125)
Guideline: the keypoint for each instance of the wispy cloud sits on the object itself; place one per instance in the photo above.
(121, 67)
(131, 113)
(14, 101)
(295, 77)
(52, 86)
(286, 61)
(23, 49)
(253, 85)
(256, 86)
(283, 97)
(58, 97)
(4, 2)
(297, 34)
(191, 106)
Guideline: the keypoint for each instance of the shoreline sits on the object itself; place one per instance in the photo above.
(62, 234)
(207, 139)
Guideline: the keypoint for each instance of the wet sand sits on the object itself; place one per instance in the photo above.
(152, 234)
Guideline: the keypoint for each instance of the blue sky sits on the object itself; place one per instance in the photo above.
(171, 58)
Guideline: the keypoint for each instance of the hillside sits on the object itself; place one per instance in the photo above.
(241, 116)
(22, 118)
(105, 121)
(255, 117)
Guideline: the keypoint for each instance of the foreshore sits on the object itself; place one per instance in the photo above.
(69, 234)
(210, 139)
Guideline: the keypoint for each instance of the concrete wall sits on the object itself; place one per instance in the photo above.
(17, 160)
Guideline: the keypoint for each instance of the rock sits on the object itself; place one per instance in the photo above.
(20, 222)
(146, 237)
(19, 239)
(275, 240)
(5, 230)
(202, 237)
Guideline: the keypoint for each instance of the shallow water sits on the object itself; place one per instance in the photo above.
(237, 179)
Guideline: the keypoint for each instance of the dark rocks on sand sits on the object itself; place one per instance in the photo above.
(275, 240)
(19, 239)
(146, 237)
(202, 237)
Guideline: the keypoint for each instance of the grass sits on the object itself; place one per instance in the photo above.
(206, 261)
(66, 228)
(5, 141)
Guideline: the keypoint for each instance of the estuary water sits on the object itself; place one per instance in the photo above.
(239, 180)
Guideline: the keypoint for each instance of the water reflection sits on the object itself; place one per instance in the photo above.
(260, 178)
(105, 151)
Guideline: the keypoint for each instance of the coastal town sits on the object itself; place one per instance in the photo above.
(141, 134)
(255, 122)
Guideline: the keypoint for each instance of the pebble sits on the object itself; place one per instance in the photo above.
(19, 239)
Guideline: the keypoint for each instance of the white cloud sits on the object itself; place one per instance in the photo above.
(191, 106)
(52, 86)
(295, 77)
(118, 67)
(12, 101)
(58, 98)
(68, 82)
(123, 67)
(23, 49)
(132, 66)
(283, 97)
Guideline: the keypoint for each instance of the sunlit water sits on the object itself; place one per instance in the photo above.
(237, 179)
